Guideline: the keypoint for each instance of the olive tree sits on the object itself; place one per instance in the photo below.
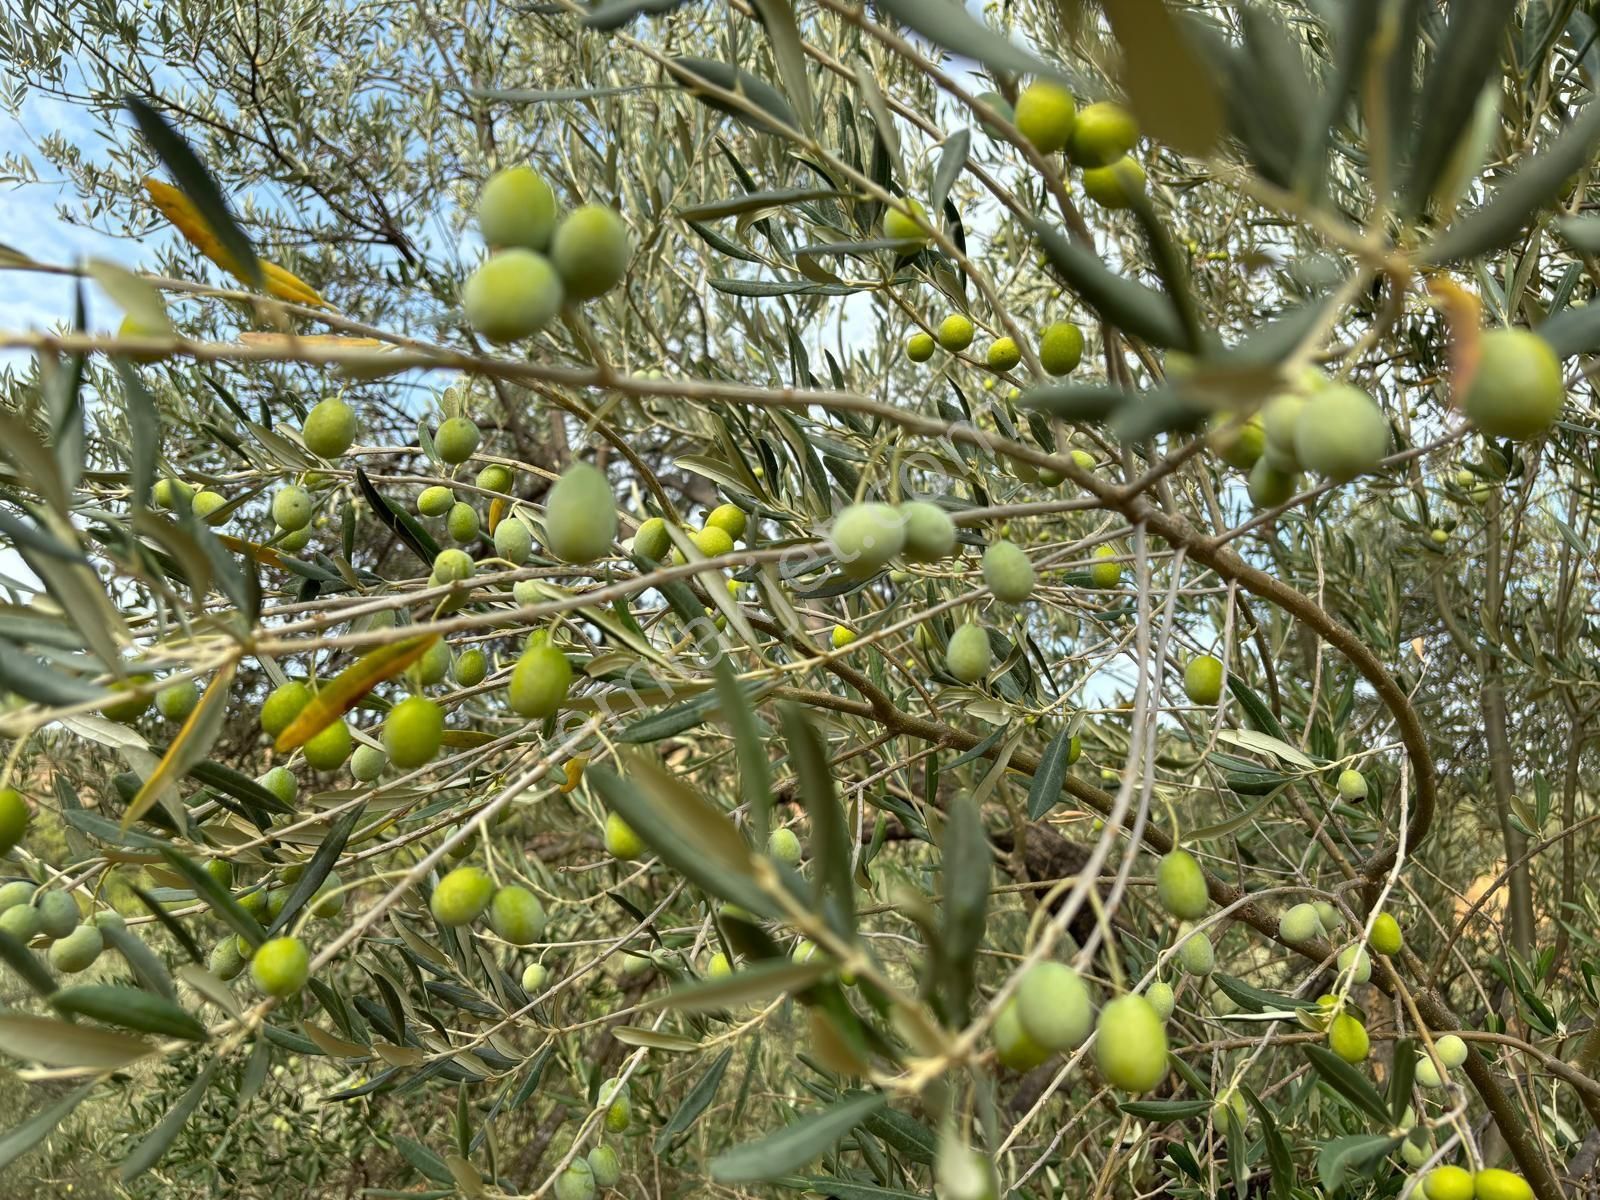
(804, 596)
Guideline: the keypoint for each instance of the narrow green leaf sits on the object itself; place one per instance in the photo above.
(750, 985)
(614, 14)
(149, 1151)
(846, 1189)
(1520, 198)
(755, 774)
(318, 869)
(214, 894)
(57, 1044)
(1169, 87)
(830, 840)
(951, 159)
(1125, 303)
(697, 1100)
(770, 108)
(954, 28)
(1347, 1081)
(1351, 1153)
(967, 865)
(143, 961)
(749, 202)
(789, 53)
(1045, 790)
(1165, 1110)
(26, 964)
(14, 1143)
(793, 1146)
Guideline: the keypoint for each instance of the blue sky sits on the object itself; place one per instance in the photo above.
(30, 221)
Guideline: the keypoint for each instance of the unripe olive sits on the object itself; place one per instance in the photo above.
(14, 817)
(1385, 937)
(330, 428)
(1105, 573)
(962, 1173)
(711, 541)
(291, 508)
(1046, 115)
(1101, 134)
(1161, 999)
(225, 961)
(1299, 924)
(470, 667)
(167, 492)
(1007, 572)
(1003, 354)
(1114, 185)
(1181, 886)
(525, 591)
(784, 846)
(1355, 960)
(865, 537)
(367, 763)
(413, 732)
(1202, 679)
(1230, 1102)
(967, 657)
(461, 896)
(206, 503)
(281, 966)
(1013, 1047)
(291, 542)
(1054, 1006)
(130, 710)
(109, 919)
(621, 841)
(1060, 347)
(434, 664)
(1517, 390)
(1131, 1044)
(437, 500)
(177, 700)
(77, 950)
(1196, 954)
(1269, 485)
(1448, 1183)
(591, 250)
(604, 1166)
(730, 518)
(280, 781)
(511, 296)
(919, 347)
(328, 749)
(652, 541)
(58, 914)
(930, 534)
(899, 223)
(534, 977)
(1328, 916)
(1427, 1074)
(516, 915)
(1494, 1184)
(513, 541)
(462, 524)
(1347, 1037)
(1280, 417)
(1416, 1149)
(1352, 785)
(516, 208)
(456, 440)
(452, 566)
(1341, 433)
(580, 520)
(15, 894)
(841, 637)
(21, 922)
(328, 901)
(955, 333)
(539, 681)
(1452, 1051)
(495, 477)
(1240, 443)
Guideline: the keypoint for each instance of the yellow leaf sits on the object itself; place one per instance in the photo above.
(497, 510)
(289, 340)
(192, 744)
(186, 218)
(574, 769)
(347, 688)
(265, 555)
